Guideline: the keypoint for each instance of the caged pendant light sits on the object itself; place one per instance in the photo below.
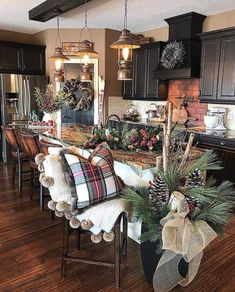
(125, 44)
(58, 57)
(85, 50)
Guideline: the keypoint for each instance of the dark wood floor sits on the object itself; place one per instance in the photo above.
(30, 249)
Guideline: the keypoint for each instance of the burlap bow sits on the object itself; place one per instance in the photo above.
(182, 238)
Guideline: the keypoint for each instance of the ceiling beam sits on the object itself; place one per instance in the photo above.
(48, 9)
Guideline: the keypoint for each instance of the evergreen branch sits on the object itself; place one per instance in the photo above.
(215, 213)
(208, 161)
(223, 193)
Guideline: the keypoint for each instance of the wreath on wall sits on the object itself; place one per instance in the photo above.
(71, 87)
(173, 55)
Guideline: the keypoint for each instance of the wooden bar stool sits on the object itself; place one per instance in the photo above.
(18, 156)
(120, 247)
(44, 145)
(30, 145)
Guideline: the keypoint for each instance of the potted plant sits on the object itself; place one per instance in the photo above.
(48, 102)
(181, 213)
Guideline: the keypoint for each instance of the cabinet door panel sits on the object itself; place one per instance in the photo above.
(139, 59)
(127, 89)
(151, 66)
(209, 69)
(33, 61)
(226, 84)
(10, 59)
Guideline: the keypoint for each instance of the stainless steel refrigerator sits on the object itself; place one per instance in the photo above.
(17, 101)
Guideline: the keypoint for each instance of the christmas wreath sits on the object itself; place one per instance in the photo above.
(71, 87)
(173, 55)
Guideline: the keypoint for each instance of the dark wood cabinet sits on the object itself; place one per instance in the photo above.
(217, 82)
(225, 149)
(22, 58)
(226, 83)
(144, 86)
(10, 59)
(33, 60)
(209, 69)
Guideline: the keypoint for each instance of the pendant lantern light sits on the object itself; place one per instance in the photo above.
(85, 50)
(58, 57)
(125, 44)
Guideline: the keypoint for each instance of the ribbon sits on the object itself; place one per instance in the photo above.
(182, 239)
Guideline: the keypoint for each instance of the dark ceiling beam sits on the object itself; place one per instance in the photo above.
(48, 9)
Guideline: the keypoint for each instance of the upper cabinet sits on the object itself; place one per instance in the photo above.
(144, 86)
(217, 81)
(22, 58)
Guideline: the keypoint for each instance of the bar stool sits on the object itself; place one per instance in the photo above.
(44, 145)
(30, 146)
(33, 146)
(120, 247)
(18, 156)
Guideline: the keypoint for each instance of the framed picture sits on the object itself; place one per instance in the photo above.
(70, 48)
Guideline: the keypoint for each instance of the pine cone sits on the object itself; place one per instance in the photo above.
(194, 179)
(192, 204)
(158, 192)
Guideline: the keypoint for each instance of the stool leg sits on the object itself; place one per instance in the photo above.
(117, 254)
(31, 183)
(78, 238)
(124, 235)
(20, 176)
(65, 246)
(52, 215)
(42, 197)
(13, 171)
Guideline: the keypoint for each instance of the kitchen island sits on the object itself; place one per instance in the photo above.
(76, 134)
(135, 168)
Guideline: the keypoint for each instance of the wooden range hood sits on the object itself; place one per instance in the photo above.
(185, 28)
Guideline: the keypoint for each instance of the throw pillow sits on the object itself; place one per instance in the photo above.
(94, 178)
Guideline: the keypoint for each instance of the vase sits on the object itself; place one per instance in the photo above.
(49, 117)
(150, 258)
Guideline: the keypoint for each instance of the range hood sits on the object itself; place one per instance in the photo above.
(184, 28)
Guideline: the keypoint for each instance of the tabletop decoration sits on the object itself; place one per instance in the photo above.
(183, 212)
(148, 139)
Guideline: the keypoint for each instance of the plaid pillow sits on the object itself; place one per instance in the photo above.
(94, 179)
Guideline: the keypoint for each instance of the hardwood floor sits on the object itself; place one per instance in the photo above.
(30, 254)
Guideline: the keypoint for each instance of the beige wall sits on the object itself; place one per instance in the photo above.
(11, 36)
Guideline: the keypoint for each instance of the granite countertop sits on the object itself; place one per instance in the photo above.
(77, 134)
